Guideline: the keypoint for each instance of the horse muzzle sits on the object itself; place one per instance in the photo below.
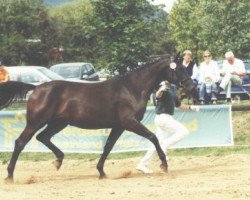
(189, 86)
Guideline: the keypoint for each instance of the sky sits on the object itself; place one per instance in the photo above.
(168, 3)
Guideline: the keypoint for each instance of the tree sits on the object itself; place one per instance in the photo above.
(218, 26)
(24, 24)
(184, 25)
(111, 34)
(76, 32)
(229, 21)
(127, 31)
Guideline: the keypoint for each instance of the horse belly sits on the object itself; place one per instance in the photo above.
(91, 118)
(93, 123)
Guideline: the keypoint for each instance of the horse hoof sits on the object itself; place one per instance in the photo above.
(57, 164)
(164, 168)
(8, 180)
(101, 177)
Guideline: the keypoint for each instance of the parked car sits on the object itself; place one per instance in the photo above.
(32, 74)
(35, 75)
(239, 92)
(78, 71)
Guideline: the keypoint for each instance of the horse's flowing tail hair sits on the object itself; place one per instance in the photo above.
(11, 91)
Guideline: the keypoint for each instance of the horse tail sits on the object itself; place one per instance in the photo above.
(11, 91)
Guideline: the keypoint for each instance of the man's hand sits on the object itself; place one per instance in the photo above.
(160, 91)
(194, 108)
(234, 73)
(163, 88)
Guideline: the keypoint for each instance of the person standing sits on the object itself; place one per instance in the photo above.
(168, 130)
(233, 69)
(4, 74)
(208, 77)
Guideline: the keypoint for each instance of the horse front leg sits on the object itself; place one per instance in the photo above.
(113, 137)
(11, 167)
(138, 128)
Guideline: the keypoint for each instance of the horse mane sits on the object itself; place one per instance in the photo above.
(156, 59)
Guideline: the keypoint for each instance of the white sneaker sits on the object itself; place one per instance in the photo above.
(144, 169)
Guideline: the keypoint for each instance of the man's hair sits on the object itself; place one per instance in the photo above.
(188, 52)
(229, 54)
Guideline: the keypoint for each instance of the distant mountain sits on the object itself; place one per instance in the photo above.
(56, 2)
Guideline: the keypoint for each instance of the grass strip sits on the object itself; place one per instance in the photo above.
(206, 151)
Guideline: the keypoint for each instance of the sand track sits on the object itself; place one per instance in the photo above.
(190, 178)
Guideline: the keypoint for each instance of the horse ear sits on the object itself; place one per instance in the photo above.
(178, 54)
(177, 57)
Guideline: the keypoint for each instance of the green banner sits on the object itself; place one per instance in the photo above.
(212, 126)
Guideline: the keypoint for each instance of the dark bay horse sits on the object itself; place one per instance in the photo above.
(118, 103)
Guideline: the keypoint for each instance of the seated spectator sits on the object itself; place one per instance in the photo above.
(4, 74)
(190, 66)
(192, 70)
(208, 77)
(233, 69)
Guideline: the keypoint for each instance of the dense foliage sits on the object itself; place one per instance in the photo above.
(26, 32)
(218, 26)
(110, 33)
(117, 34)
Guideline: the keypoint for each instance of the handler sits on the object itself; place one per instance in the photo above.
(168, 130)
(4, 74)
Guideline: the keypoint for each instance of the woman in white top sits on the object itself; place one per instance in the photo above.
(208, 77)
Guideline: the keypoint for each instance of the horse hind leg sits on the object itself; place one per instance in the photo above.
(136, 127)
(20, 143)
(45, 138)
(113, 137)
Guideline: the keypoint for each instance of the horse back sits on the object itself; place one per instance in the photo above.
(85, 105)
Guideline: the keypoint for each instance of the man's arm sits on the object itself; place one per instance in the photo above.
(189, 107)
(7, 77)
(242, 71)
(160, 91)
(195, 72)
(224, 69)
(184, 107)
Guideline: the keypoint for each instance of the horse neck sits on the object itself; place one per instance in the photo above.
(144, 81)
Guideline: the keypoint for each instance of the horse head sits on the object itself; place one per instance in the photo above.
(177, 74)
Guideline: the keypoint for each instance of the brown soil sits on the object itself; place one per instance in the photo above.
(189, 178)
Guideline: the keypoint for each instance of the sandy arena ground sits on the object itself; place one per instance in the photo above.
(189, 178)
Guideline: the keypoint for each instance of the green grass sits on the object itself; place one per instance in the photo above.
(5, 156)
(206, 151)
(211, 151)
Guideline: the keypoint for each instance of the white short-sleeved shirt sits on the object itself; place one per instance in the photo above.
(238, 66)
